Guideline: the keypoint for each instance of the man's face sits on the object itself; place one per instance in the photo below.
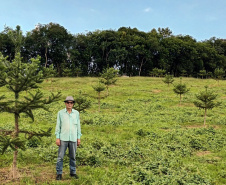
(69, 104)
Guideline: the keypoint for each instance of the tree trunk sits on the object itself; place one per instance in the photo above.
(16, 134)
(142, 62)
(205, 117)
(107, 91)
(14, 168)
(99, 100)
(46, 57)
(106, 58)
(180, 99)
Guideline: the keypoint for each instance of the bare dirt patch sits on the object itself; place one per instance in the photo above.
(156, 91)
(203, 153)
(202, 126)
(195, 126)
(208, 156)
(37, 175)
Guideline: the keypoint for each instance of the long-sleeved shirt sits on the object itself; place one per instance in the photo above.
(68, 126)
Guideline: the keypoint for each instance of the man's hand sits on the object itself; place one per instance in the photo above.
(78, 142)
(58, 142)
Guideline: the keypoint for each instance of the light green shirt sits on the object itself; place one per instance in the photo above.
(68, 126)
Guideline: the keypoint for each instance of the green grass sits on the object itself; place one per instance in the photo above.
(141, 135)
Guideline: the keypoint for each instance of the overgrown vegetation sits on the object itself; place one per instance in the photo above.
(141, 136)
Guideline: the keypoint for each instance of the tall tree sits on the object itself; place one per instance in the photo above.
(18, 77)
(51, 42)
(7, 47)
(17, 38)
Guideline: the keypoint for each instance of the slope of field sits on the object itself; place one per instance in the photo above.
(140, 136)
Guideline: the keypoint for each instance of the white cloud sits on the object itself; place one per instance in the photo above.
(147, 9)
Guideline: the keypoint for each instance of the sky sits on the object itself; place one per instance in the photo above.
(201, 19)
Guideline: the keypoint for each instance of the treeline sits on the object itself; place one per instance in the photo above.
(129, 50)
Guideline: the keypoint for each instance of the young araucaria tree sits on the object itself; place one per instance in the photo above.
(205, 100)
(168, 79)
(108, 77)
(219, 74)
(81, 102)
(99, 88)
(180, 89)
(19, 77)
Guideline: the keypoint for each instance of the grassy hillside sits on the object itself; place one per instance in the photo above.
(141, 136)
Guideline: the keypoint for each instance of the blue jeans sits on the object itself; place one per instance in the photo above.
(72, 146)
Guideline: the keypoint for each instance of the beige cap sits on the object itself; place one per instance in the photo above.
(69, 98)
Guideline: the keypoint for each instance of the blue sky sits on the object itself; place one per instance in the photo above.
(201, 19)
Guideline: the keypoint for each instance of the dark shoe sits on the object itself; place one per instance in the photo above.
(74, 176)
(59, 177)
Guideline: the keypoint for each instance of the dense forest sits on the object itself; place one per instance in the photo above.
(129, 50)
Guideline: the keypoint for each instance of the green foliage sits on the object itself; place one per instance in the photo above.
(134, 52)
(99, 87)
(142, 133)
(202, 73)
(168, 79)
(81, 102)
(219, 73)
(66, 72)
(49, 72)
(206, 100)
(78, 71)
(16, 37)
(13, 143)
(19, 77)
(157, 72)
(141, 136)
(34, 142)
(180, 89)
(108, 77)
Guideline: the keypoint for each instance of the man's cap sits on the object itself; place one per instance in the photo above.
(69, 98)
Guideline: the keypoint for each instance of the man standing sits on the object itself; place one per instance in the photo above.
(68, 133)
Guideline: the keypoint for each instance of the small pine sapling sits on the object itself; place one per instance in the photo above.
(99, 87)
(108, 77)
(49, 72)
(202, 73)
(168, 79)
(219, 74)
(205, 100)
(81, 103)
(180, 89)
(78, 71)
